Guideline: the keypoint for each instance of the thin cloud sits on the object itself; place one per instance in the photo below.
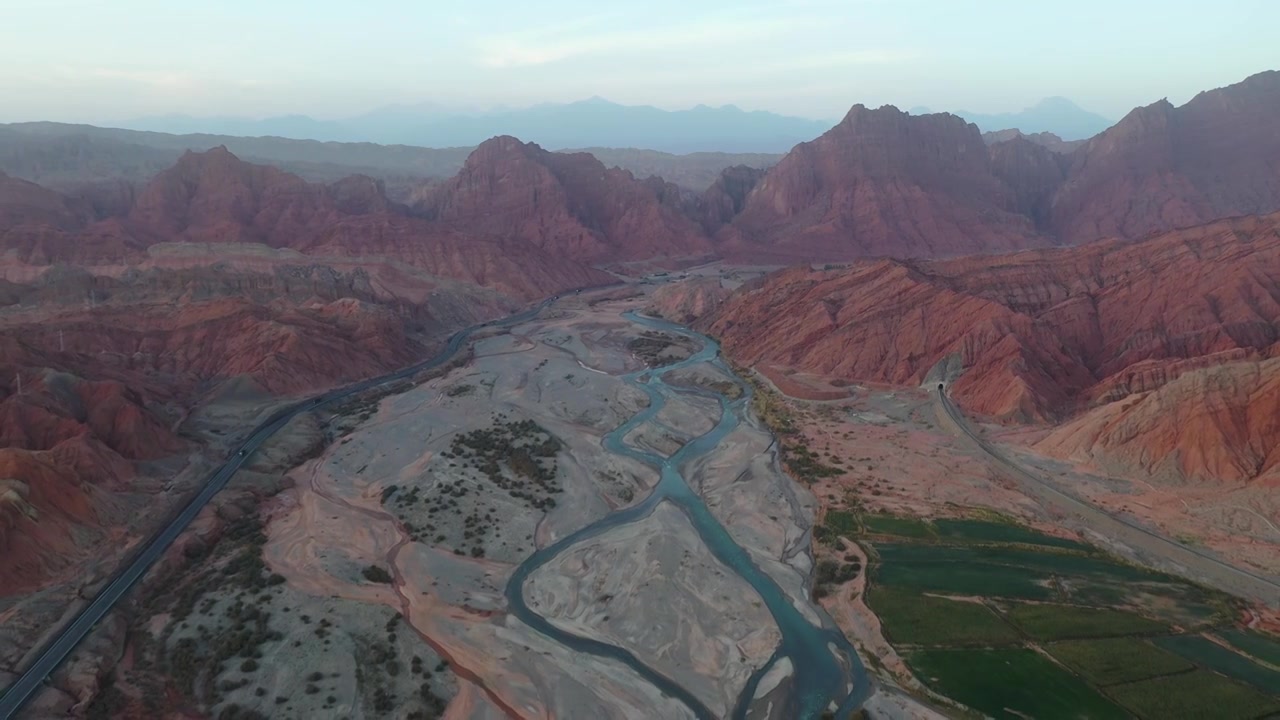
(152, 78)
(549, 45)
(876, 56)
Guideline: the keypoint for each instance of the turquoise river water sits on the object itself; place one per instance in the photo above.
(826, 670)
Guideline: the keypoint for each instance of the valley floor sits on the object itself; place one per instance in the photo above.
(427, 489)
(959, 548)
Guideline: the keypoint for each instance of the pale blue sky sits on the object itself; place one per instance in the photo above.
(98, 60)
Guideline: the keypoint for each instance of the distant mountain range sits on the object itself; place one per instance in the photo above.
(1056, 115)
(591, 123)
(596, 122)
(65, 156)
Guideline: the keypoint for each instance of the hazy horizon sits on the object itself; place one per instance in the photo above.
(805, 58)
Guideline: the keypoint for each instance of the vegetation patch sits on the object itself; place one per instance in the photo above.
(916, 619)
(771, 409)
(1111, 661)
(654, 347)
(1208, 654)
(994, 531)
(1045, 597)
(804, 464)
(377, 574)
(1012, 683)
(517, 456)
(833, 572)
(902, 566)
(842, 522)
(727, 388)
(896, 526)
(460, 390)
(1019, 572)
(835, 525)
(1052, 621)
(1197, 694)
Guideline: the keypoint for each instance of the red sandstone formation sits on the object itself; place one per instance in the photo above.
(885, 184)
(215, 198)
(1219, 423)
(1033, 172)
(566, 204)
(881, 183)
(726, 197)
(66, 446)
(1163, 167)
(1048, 333)
(686, 301)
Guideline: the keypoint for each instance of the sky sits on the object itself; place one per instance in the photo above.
(102, 60)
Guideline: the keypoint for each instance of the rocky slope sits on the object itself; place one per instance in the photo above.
(565, 204)
(1214, 424)
(720, 203)
(1040, 335)
(1033, 172)
(90, 392)
(881, 183)
(1165, 167)
(215, 198)
(67, 446)
(689, 300)
(886, 184)
(124, 314)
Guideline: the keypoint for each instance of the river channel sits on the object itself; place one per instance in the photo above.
(826, 669)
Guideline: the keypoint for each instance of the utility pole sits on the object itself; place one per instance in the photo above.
(62, 345)
(19, 383)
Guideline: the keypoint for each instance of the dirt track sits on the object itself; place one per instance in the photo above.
(1145, 545)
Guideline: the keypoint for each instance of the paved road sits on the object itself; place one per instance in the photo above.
(61, 645)
(1155, 548)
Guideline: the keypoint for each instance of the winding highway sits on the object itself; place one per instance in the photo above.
(1197, 565)
(65, 641)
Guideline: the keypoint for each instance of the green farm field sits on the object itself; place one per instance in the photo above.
(1011, 683)
(1262, 647)
(1112, 661)
(1197, 695)
(915, 619)
(1013, 623)
(1066, 622)
(1208, 654)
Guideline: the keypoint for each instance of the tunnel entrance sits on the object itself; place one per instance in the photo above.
(940, 386)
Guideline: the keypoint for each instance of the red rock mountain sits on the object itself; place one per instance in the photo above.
(1163, 167)
(1040, 334)
(1032, 172)
(720, 203)
(881, 183)
(214, 197)
(1048, 140)
(566, 204)
(886, 184)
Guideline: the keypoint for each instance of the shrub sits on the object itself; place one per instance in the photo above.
(376, 574)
